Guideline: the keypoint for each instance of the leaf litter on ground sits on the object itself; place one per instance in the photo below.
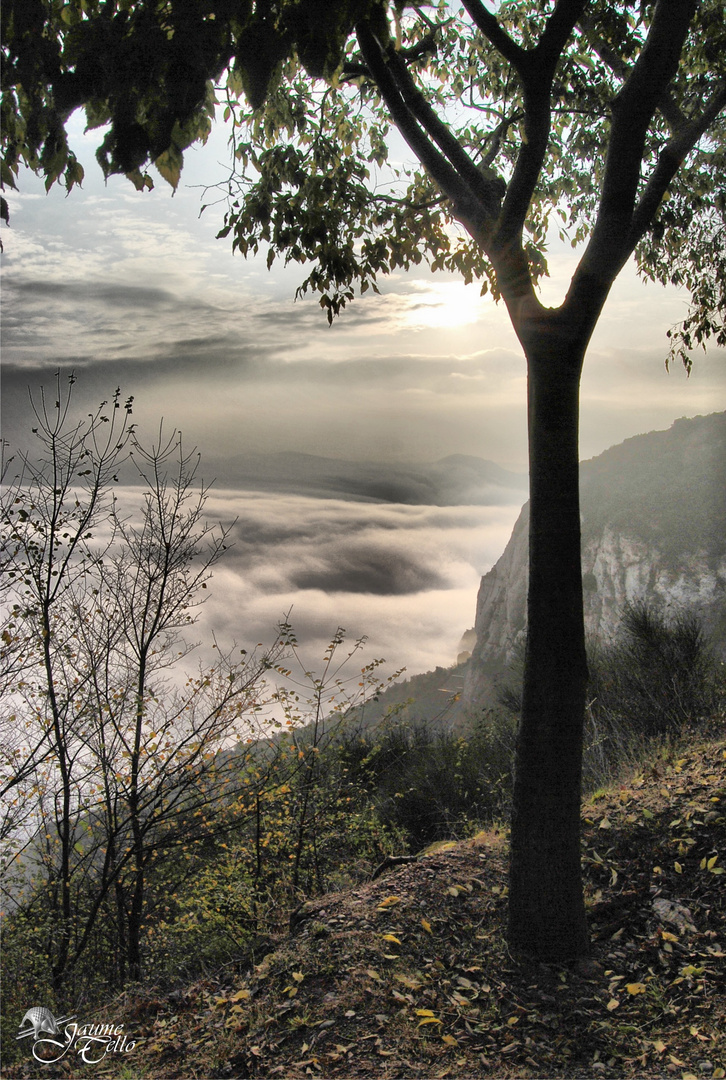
(409, 975)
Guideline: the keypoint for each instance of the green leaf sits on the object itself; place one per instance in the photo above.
(170, 165)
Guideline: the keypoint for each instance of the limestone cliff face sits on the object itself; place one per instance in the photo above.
(653, 528)
(618, 568)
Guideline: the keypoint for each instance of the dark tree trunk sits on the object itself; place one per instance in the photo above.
(546, 905)
(134, 925)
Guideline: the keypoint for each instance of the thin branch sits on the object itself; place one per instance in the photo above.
(495, 137)
(354, 69)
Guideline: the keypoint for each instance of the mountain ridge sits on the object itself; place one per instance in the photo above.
(653, 512)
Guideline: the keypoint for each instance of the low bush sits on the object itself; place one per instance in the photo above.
(430, 784)
(657, 676)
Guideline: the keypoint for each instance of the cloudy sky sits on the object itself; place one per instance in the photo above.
(133, 289)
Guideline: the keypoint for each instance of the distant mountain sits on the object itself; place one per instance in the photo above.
(653, 528)
(458, 480)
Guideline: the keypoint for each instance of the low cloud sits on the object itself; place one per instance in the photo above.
(373, 570)
(405, 577)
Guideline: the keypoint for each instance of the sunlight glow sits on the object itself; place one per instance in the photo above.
(443, 304)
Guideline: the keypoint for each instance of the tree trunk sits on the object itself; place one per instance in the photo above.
(135, 923)
(546, 905)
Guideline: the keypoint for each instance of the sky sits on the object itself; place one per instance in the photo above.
(132, 289)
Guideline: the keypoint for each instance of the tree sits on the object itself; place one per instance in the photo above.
(606, 118)
(47, 523)
(122, 759)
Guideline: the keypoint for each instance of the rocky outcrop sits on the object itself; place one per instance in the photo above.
(653, 528)
(618, 568)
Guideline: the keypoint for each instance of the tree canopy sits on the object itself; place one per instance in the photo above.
(508, 112)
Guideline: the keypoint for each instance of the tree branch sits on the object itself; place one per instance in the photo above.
(537, 75)
(633, 111)
(436, 129)
(669, 161)
(494, 138)
(426, 46)
(669, 108)
(440, 169)
(493, 32)
(557, 31)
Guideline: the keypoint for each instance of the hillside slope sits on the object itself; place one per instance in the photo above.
(408, 974)
(653, 528)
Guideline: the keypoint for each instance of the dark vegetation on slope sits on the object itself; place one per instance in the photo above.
(408, 975)
(364, 795)
(666, 487)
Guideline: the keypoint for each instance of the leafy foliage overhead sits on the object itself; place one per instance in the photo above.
(605, 119)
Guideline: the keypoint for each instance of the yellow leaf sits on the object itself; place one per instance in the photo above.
(428, 1020)
(298, 976)
(425, 1012)
(635, 988)
(389, 902)
(412, 984)
(449, 1040)
(718, 1074)
(426, 925)
(678, 867)
(513, 1020)
(391, 937)
(659, 1045)
(373, 974)
(612, 1004)
(712, 862)
(170, 164)
(241, 995)
(667, 936)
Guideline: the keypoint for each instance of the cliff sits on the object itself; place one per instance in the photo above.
(653, 528)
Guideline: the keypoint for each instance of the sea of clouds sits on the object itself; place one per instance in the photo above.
(405, 577)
